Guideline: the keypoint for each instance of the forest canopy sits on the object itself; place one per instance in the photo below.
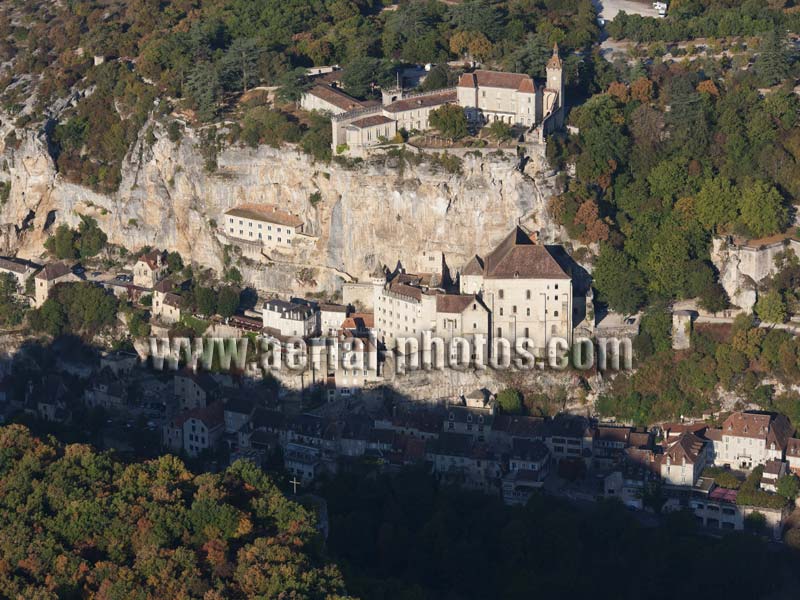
(75, 523)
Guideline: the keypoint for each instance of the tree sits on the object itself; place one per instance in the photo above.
(500, 130)
(227, 301)
(238, 68)
(789, 486)
(471, 43)
(174, 262)
(762, 210)
(63, 243)
(771, 307)
(619, 283)
(203, 87)
(360, 76)
(772, 63)
(92, 238)
(205, 300)
(717, 203)
(450, 120)
(510, 401)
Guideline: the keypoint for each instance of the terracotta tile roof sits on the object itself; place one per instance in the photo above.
(417, 102)
(12, 265)
(173, 300)
(152, 259)
(53, 271)
(336, 97)
(522, 427)
(517, 256)
(793, 447)
(164, 286)
(613, 433)
(359, 321)
(474, 266)
(498, 79)
(371, 121)
(770, 427)
(688, 446)
(264, 213)
(773, 467)
(330, 307)
(406, 290)
(212, 415)
(453, 303)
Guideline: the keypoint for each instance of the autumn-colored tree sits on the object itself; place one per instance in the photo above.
(642, 90)
(619, 90)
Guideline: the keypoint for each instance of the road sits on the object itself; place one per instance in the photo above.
(609, 8)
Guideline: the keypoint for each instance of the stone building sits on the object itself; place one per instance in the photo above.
(751, 438)
(289, 319)
(326, 98)
(18, 269)
(261, 226)
(684, 460)
(48, 277)
(149, 269)
(485, 96)
(526, 290)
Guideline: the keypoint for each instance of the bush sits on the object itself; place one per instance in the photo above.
(510, 401)
(751, 495)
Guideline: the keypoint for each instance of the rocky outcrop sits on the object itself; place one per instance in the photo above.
(380, 211)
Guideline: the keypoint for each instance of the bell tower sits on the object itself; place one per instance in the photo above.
(555, 77)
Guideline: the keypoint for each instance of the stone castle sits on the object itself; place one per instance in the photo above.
(485, 96)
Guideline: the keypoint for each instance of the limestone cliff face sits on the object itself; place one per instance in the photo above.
(380, 211)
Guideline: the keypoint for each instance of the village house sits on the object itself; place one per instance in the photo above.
(202, 428)
(108, 393)
(528, 466)
(46, 279)
(20, 270)
(774, 469)
(472, 415)
(166, 305)
(751, 438)
(460, 460)
(331, 317)
(195, 389)
(569, 437)
(261, 227)
(289, 319)
(684, 460)
(149, 269)
(793, 455)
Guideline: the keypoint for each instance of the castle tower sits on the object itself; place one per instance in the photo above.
(555, 78)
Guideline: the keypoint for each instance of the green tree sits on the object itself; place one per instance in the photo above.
(62, 244)
(450, 120)
(205, 300)
(92, 238)
(227, 301)
(762, 210)
(618, 281)
(510, 401)
(717, 204)
(789, 486)
(773, 62)
(771, 307)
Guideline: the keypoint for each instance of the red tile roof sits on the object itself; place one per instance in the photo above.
(498, 79)
(371, 121)
(335, 97)
(517, 256)
(453, 303)
(264, 213)
(416, 102)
